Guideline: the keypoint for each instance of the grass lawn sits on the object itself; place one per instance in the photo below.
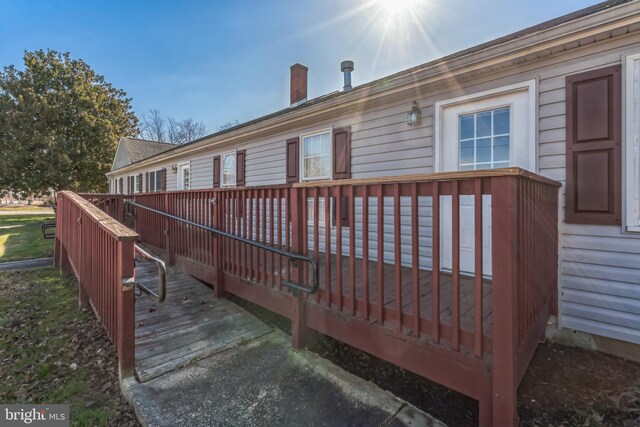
(52, 352)
(21, 238)
(25, 208)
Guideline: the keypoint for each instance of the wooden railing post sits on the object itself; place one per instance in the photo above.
(57, 247)
(125, 343)
(299, 330)
(504, 283)
(217, 211)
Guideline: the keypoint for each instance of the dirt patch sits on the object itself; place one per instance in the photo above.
(51, 352)
(563, 386)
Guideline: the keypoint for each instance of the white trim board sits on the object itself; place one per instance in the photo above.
(530, 86)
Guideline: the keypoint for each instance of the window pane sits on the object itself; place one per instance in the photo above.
(316, 158)
(466, 126)
(466, 152)
(501, 121)
(483, 150)
(466, 168)
(158, 181)
(501, 165)
(483, 124)
(229, 169)
(501, 149)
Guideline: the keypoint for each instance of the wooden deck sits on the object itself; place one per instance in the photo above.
(426, 286)
(190, 325)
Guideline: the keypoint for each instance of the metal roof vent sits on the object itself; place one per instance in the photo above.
(347, 68)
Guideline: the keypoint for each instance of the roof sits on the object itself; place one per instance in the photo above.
(385, 80)
(140, 149)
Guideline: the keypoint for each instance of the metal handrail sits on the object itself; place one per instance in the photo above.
(290, 255)
(162, 279)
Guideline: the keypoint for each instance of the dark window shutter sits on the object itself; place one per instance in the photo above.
(121, 186)
(240, 168)
(216, 171)
(293, 160)
(594, 129)
(147, 183)
(342, 153)
(342, 169)
(164, 179)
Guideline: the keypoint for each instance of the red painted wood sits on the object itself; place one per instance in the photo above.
(478, 269)
(365, 249)
(397, 237)
(415, 260)
(435, 333)
(455, 265)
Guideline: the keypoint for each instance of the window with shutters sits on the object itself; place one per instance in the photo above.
(315, 155)
(155, 181)
(228, 177)
(632, 142)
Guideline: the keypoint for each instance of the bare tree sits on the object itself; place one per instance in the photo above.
(157, 128)
(153, 127)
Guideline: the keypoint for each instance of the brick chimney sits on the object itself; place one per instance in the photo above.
(298, 83)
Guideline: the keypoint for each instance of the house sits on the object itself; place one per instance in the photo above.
(560, 99)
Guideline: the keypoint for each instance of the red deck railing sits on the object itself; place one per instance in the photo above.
(99, 251)
(401, 273)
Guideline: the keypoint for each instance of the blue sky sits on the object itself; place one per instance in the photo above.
(220, 61)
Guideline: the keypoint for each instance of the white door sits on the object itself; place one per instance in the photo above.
(481, 133)
(184, 176)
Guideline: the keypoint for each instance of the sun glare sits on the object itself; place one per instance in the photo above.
(396, 7)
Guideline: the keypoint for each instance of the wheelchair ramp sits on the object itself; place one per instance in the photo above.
(265, 383)
(190, 325)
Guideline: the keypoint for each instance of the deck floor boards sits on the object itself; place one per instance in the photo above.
(190, 325)
(426, 286)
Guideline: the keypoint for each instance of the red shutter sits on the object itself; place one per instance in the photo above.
(216, 171)
(121, 186)
(163, 178)
(342, 153)
(240, 168)
(293, 160)
(594, 128)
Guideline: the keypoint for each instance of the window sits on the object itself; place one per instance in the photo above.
(228, 177)
(184, 176)
(155, 181)
(131, 184)
(138, 181)
(484, 139)
(316, 156)
(632, 142)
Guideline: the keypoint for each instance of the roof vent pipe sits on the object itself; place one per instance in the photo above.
(347, 68)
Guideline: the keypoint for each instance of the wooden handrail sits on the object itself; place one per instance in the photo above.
(440, 176)
(109, 224)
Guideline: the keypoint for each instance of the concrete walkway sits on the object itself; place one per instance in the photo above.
(264, 382)
(26, 264)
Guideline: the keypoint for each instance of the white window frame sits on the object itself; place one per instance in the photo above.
(529, 86)
(304, 178)
(137, 184)
(631, 144)
(222, 156)
(181, 167)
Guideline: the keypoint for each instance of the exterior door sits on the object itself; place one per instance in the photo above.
(184, 176)
(488, 133)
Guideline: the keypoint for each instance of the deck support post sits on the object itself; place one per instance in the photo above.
(299, 330)
(505, 255)
(125, 337)
(217, 214)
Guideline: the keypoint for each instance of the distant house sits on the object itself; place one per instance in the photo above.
(130, 151)
(560, 99)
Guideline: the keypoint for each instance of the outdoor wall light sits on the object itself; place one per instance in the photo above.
(414, 115)
(174, 169)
